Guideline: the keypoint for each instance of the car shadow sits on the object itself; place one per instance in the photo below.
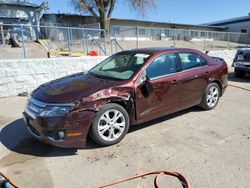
(232, 78)
(16, 138)
(164, 118)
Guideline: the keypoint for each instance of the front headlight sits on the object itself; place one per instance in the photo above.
(55, 111)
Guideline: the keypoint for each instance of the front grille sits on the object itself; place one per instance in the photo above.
(35, 106)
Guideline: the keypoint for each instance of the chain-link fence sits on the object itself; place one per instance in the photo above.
(137, 37)
(29, 41)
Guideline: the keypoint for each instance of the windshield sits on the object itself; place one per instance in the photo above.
(121, 66)
(243, 56)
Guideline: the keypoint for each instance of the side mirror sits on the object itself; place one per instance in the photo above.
(143, 79)
(145, 85)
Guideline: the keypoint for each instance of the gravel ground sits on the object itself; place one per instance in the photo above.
(211, 148)
(34, 50)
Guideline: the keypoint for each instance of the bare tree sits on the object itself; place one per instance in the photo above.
(102, 9)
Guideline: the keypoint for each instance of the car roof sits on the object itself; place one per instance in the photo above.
(155, 50)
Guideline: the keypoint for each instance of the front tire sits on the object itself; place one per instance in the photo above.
(239, 73)
(110, 125)
(211, 97)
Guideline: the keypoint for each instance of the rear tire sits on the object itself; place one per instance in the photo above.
(211, 97)
(110, 125)
(239, 73)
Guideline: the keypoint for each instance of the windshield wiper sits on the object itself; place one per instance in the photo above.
(98, 75)
(104, 77)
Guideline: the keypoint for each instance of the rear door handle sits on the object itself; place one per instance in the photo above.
(193, 77)
(174, 82)
(206, 73)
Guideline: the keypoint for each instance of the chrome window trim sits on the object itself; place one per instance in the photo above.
(164, 76)
(194, 68)
(178, 72)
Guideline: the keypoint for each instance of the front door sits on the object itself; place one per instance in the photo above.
(163, 85)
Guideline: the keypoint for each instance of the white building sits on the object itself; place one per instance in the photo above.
(20, 12)
(239, 25)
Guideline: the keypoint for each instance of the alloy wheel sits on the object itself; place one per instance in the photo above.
(111, 125)
(212, 96)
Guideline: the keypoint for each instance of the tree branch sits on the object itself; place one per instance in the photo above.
(89, 8)
(100, 6)
(111, 8)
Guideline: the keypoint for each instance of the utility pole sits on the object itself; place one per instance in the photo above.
(2, 33)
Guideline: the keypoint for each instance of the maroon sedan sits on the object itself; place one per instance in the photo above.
(128, 88)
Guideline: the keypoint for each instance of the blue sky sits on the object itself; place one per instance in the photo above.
(179, 11)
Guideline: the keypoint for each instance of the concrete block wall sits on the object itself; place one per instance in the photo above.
(17, 76)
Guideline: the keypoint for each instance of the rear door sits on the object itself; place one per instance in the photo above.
(163, 97)
(194, 79)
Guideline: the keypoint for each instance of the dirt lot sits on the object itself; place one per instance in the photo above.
(35, 50)
(211, 148)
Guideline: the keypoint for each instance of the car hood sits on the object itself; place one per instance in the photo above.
(72, 88)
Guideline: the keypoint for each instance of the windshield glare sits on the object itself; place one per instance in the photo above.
(243, 56)
(120, 66)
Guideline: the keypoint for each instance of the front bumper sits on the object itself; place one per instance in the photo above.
(244, 66)
(74, 125)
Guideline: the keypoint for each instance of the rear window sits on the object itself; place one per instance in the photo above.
(191, 60)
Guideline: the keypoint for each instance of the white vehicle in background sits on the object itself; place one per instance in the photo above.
(241, 62)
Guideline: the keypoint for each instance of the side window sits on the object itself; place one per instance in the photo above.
(191, 60)
(162, 65)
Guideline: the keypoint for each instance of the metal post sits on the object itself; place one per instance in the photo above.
(228, 42)
(161, 34)
(111, 46)
(100, 51)
(69, 44)
(92, 41)
(205, 41)
(137, 37)
(174, 37)
(84, 41)
(2, 34)
(23, 45)
(71, 38)
(105, 47)
(115, 43)
(87, 44)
